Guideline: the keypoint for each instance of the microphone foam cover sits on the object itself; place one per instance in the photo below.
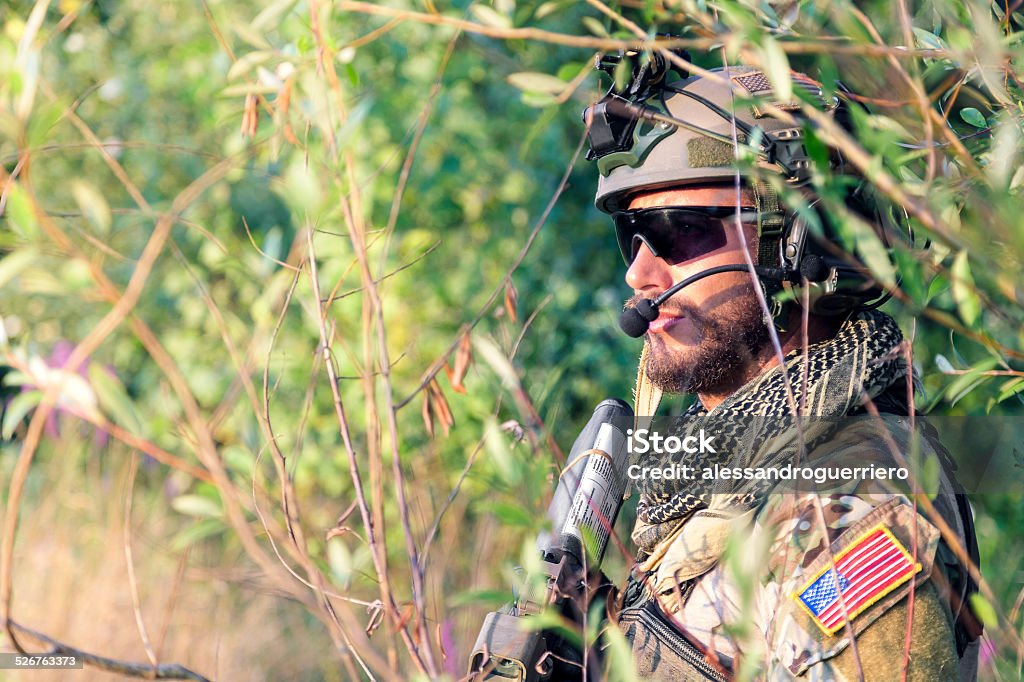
(646, 309)
(813, 268)
(632, 323)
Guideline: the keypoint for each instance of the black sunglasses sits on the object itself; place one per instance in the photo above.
(675, 234)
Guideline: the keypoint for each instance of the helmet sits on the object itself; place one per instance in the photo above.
(659, 152)
(667, 128)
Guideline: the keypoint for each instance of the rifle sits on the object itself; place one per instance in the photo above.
(588, 496)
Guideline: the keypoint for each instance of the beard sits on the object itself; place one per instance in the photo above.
(729, 337)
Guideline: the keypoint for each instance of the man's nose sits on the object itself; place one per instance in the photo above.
(648, 273)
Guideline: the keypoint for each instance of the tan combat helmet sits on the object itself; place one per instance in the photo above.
(666, 128)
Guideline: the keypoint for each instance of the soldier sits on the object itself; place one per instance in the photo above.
(855, 581)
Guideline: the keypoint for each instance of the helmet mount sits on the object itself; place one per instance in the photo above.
(665, 128)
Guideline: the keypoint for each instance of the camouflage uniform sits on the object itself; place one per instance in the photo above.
(746, 612)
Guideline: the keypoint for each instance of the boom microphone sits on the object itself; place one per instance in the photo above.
(636, 320)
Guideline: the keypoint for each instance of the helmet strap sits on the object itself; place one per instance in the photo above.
(770, 223)
(771, 227)
(646, 396)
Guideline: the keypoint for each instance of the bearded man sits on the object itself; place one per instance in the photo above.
(780, 340)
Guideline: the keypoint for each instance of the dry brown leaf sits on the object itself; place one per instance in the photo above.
(440, 406)
(284, 98)
(337, 532)
(405, 617)
(250, 117)
(511, 300)
(463, 355)
(435, 406)
(440, 642)
(428, 412)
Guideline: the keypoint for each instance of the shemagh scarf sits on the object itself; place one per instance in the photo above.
(683, 525)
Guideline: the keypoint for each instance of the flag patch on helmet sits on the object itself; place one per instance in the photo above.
(871, 567)
(758, 85)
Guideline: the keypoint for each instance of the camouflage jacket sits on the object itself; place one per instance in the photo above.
(769, 608)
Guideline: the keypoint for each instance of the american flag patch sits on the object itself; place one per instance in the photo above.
(867, 570)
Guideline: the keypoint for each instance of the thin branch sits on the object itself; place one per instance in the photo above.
(167, 671)
(374, 34)
(410, 156)
(123, 306)
(354, 474)
(612, 45)
(263, 253)
(172, 599)
(439, 363)
(376, 311)
(205, 445)
(133, 584)
(400, 268)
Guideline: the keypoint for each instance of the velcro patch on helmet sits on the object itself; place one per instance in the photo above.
(758, 85)
(704, 152)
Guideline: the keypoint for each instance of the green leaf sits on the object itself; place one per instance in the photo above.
(1010, 389)
(17, 378)
(511, 514)
(552, 620)
(239, 459)
(270, 17)
(1017, 181)
(871, 250)
(619, 656)
(93, 205)
(549, 8)
(570, 70)
(965, 383)
(247, 62)
(43, 119)
(532, 81)
(339, 558)
(595, 27)
(500, 454)
(14, 263)
(985, 612)
(253, 38)
(114, 400)
(199, 530)
(19, 210)
(776, 66)
(478, 598)
(248, 89)
(538, 100)
(622, 74)
(196, 505)
(17, 409)
(929, 41)
(353, 75)
(943, 364)
(486, 348)
(964, 292)
(928, 478)
(938, 285)
(488, 16)
(911, 276)
(973, 117)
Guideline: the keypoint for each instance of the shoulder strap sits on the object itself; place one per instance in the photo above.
(646, 396)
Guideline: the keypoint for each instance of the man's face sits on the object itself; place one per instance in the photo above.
(706, 335)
